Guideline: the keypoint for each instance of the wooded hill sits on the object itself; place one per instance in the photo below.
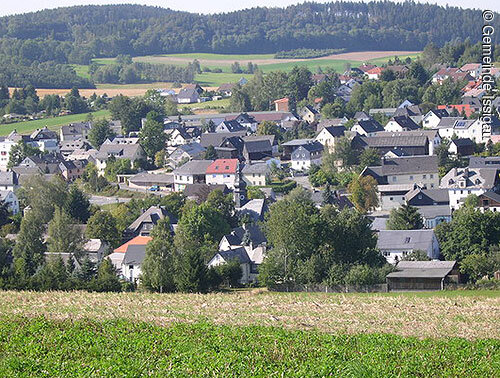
(78, 34)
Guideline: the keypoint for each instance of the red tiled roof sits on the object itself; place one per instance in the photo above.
(282, 100)
(138, 240)
(376, 70)
(221, 166)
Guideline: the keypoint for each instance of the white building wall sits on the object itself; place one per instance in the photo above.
(221, 179)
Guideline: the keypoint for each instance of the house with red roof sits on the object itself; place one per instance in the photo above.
(223, 172)
(374, 73)
(282, 105)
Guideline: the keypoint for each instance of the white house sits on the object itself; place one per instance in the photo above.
(367, 127)
(131, 152)
(132, 261)
(329, 135)
(223, 257)
(397, 244)
(192, 172)
(10, 199)
(256, 174)
(462, 182)
(5, 146)
(9, 180)
(431, 119)
(400, 123)
(306, 155)
(223, 171)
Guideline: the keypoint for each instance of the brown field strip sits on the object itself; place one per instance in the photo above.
(469, 316)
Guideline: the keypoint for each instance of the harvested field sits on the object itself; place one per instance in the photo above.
(469, 315)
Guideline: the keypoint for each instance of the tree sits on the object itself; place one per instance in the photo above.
(152, 136)
(364, 193)
(210, 153)
(29, 249)
(21, 151)
(344, 152)
(191, 274)
(476, 266)
(406, 217)
(93, 180)
(77, 205)
(64, 235)
(157, 267)
(269, 128)
(222, 203)
(99, 132)
(106, 279)
(171, 108)
(369, 157)
(416, 255)
(230, 273)
(240, 101)
(102, 225)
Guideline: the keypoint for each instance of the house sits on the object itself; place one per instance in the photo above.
(433, 138)
(231, 148)
(145, 181)
(489, 201)
(47, 164)
(397, 244)
(240, 254)
(95, 249)
(306, 155)
(330, 122)
(229, 127)
(374, 73)
(192, 172)
(460, 182)
(406, 145)
(329, 135)
(474, 69)
(292, 145)
(226, 89)
(45, 140)
(282, 105)
(223, 172)
(72, 169)
(341, 201)
(410, 111)
(132, 261)
(367, 127)
(467, 108)
(422, 170)
(427, 197)
(432, 118)
(6, 144)
(256, 174)
(248, 121)
(184, 153)
(75, 131)
(484, 162)
(423, 275)
(10, 199)
(434, 215)
(200, 192)
(188, 95)
(255, 209)
(144, 224)
(388, 112)
(179, 136)
(257, 149)
(461, 147)
(309, 114)
(9, 180)
(132, 152)
(217, 139)
(452, 73)
(271, 138)
(68, 147)
(401, 123)
(362, 116)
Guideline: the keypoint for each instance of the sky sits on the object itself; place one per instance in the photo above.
(204, 6)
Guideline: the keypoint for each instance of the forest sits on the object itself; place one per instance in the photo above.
(78, 34)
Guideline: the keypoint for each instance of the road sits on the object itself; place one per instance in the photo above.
(102, 200)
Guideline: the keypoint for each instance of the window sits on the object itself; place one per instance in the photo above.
(407, 240)
(131, 267)
(431, 176)
(394, 178)
(391, 198)
(424, 176)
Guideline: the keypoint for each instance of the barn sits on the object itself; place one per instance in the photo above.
(423, 275)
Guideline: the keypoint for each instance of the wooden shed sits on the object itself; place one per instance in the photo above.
(423, 275)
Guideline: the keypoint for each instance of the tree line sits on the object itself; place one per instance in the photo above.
(78, 34)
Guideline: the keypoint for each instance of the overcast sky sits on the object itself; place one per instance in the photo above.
(203, 6)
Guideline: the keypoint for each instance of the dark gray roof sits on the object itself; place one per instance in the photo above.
(405, 240)
(422, 269)
(216, 139)
(441, 113)
(447, 122)
(405, 122)
(335, 131)
(462, 142)
(407, 165)
(8, 178)
(193, 167)
(258, 146)
(255, 168)
(135, 254)
(395, 141)
(297, 142)
(436, 195)
(485, 178)
(202, 190)
(149, 178)
(492, 195)
(232, 126)
(484, 162)
(151, 216)
(434, 211)
(256, 235)
(409, 111)
(370, 126)
(237, 253)
(120, 151)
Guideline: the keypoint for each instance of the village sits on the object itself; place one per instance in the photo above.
(409, 160)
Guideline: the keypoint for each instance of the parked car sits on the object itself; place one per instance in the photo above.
(154, 188)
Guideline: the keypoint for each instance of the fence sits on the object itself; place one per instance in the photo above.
(379, 288)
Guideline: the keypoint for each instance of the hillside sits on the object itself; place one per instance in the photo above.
(78, 34)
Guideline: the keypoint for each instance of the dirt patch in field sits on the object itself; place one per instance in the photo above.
(360, 56)
(469, 316)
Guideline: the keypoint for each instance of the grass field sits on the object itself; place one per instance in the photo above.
(471, 315)
(219, 104)
(43, 348)
(52, 123)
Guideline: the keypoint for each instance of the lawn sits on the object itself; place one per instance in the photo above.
(54, 123)
(218, 104)
(470, 315)
(133, 348)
